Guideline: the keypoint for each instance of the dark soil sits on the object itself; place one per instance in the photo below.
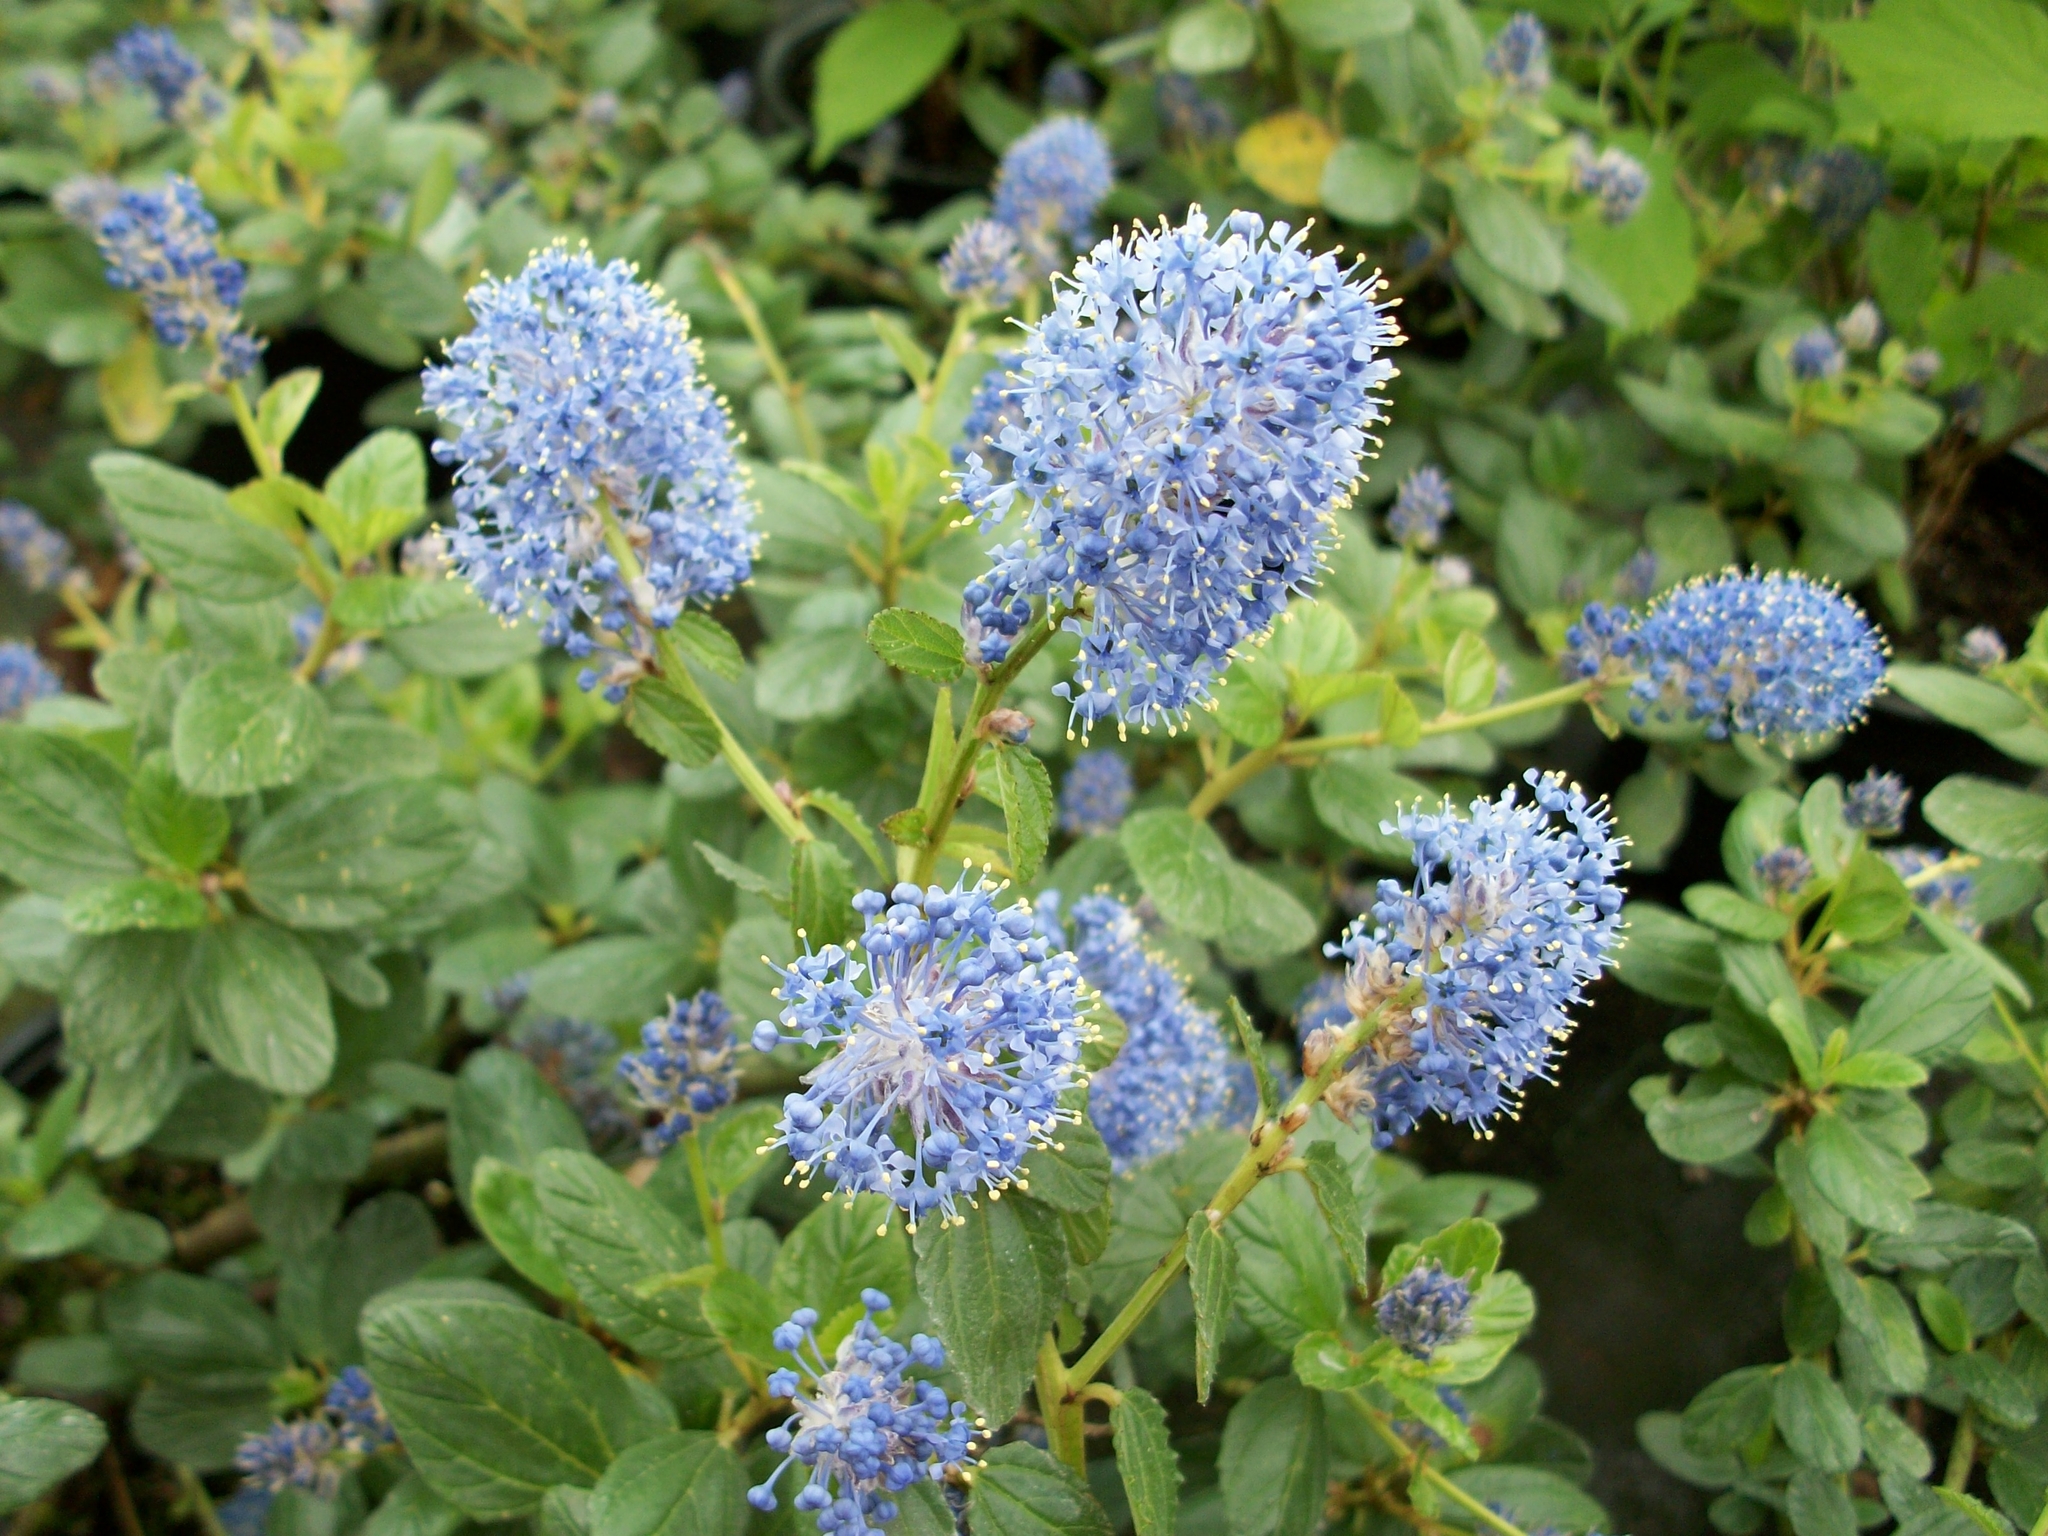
(1990, 565)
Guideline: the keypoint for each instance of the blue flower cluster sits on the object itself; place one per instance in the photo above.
(1174, 1075)
(970, 1028)
(84, 200)
(864, 1430)
(1946, 894)
(1981, 648)
(1427, 1309)
(1188, 114)
(313, 1452)
(153, 59)
(1615, 179)
(1776, 655)
(1520, 56)
(575, 1057)
(1839, 187)
(38, 554)
(1192, 409)
(360, 1418)
(684, 1070)
(990, 413)
(293, 1453)
(1876, 804)
(23, 678)
(577, 397)
(1050, 183)
(1471, 969)
(984, 263)
(1095, 796)
(1421, 507)
(1321, 1006)
(165, 246)
(1784, 871)
(1816, 354)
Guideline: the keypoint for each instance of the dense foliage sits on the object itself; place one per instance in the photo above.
(815, 869)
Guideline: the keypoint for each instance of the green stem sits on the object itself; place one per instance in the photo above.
(1240, 773)
(268, 462)
(1962, 1452)
(202, 1502)
(676, 673)
(1446, 723)
(948, 789)
(791, 388)
(2026, 1050)
(326, 640)
(1382, 1425)
(949, 359)
(1060, 1407)
(94, 626)
(1268, 1147)
(707, 1206)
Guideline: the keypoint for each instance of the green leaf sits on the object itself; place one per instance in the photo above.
(1728, 1413)
(1290, 1282)
(612, 1238)
(246, 725)
(710, 644)
(1979, 1514)
(917, 643)
(816, 676)
(1184, 867)
(1819, 1505)
(1869, 903)
(1704, 1126)
(284, 405)
(42, 1442)
(60, 813)
(1669, 958)
(1974, 703)
(1648, 263)
(838, 1251)
(495, 1403)
(1995, 1387)
(1879, 1069)
(136, 903)
(1071, 1176)
(1954, 69)
(1021, 1491)
(674, 1484)
(186, 529)
(380, 490)
(1789, 1020)
(169, 826)
(1533, 1497)
(1815, 1418)
(505, 1109)
(1698, 424)
(1863, 1178)
(1275, 1463)
(1366, 182)
(62, 1222)
(1213, 36)
(1353, 796)
(1947, 1319)
(672, 722)
(874, 64)
(1988, 817)
(821, 889)
(1146, 1462)
(1331, 25)
(346, 857)
(1924, 1010)
(381, 602)
(1470, 674)
(848, 816)
(1732, 912)
(205, 1332)
(1025, 791)
(1508, 231)
(1212, 1276)
(1874, 1310)
(1337, 1197)
(258, 1005)
(994, 1284)
(505, 1208)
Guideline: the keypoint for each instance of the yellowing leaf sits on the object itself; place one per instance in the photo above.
(1284, 156)
(132, 394)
